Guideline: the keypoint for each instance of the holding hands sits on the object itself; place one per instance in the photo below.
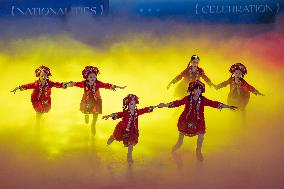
(68, 84)
(153, 107)
(162, 105)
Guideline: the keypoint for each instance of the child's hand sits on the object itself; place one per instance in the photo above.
(121, 87)
(106, 117)
(258, 93)
(233, 107)
(215, 86)
(228, 106)
(68, 84)
(153, 107)
(261, 94)
(15, 90)
(64, 85)
(162, 105)
(169, 85)
(114, 87)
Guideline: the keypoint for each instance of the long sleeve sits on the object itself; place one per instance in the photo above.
(29, 86)
(180, 76)
(56, 84)
(80, 84)
(144, 110)
(211, 103)
(104, 85)
(224, 84)
(118, 115)
(248, 87)
(178, 103)
(204, 77)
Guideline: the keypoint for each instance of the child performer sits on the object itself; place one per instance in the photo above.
(191, 122)
(40, 97)
(190, 74)
(239, 94)
(127, 129)
(91, 102)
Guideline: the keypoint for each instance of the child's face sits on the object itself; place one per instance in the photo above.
(132, 104)
(238, 74)
(43, 76)
(195, 62)
(92, 77)
(197, 91)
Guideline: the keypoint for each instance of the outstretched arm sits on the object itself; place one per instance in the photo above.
(114, 116)
(17, 88)
(228, 106)
(24, 87)
(177, 78)
(250, 88)
(223, 84)
(80, 84)
(258, 93)
(57, 84)
(109, 86)
(68, 84)
(216, 104)
(174, 104)
(64, 85)
(206, 79)
(118, 87)
(147, 109)
(107, 116)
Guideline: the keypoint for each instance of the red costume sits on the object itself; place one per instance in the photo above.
(40, 97)
(239, 94)
(191, 122)
(91, 101)
(127, 129)
(131, 122)
(189, 76)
